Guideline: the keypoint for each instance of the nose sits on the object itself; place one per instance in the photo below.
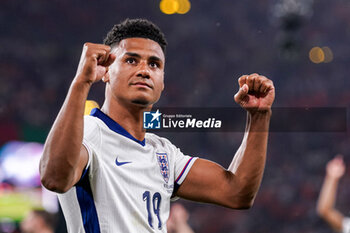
(143, 71)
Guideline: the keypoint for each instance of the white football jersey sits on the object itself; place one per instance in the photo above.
(127, 184)
(346, 225)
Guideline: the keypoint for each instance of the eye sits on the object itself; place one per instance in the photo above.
(130, 60)
(153, 64)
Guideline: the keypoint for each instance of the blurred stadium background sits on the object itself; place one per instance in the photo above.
(302, 45)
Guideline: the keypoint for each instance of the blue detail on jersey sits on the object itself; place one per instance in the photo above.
(84, 173)
(176, 187)
(146, 198)
(156, 200)
(120, 163)
(183, 170)
(114, 125)
(87, 205)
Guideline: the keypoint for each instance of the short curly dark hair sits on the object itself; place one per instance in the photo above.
(135, 28)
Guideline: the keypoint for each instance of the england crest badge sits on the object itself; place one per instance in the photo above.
(163, 165)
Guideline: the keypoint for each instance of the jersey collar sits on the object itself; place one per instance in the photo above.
(114, 126)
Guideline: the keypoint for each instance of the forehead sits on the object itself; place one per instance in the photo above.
(141, 46)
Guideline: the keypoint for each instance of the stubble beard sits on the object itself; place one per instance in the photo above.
(140, 102)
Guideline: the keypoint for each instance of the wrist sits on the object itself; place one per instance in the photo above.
(258, 121)
(333, 177)
(78, 82)
(80, 88)
(266, 112)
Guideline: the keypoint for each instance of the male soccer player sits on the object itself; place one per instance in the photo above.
(112, 176)
(335, 169)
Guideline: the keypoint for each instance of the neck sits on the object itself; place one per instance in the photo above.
(130, 117)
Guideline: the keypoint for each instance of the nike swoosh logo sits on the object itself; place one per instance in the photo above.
(120, 163)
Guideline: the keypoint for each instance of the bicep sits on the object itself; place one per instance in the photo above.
(208, 182)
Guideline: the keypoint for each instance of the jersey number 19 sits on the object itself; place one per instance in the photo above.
(156, 200)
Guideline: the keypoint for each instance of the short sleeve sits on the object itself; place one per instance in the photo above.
(91, 139)
(183, 164)
(346, 225)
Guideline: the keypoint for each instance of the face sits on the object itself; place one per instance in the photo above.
(137, 74)
(30, 223)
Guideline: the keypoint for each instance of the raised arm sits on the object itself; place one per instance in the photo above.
(236, 187)
(177, 222)
(64, 157)
(325, 206)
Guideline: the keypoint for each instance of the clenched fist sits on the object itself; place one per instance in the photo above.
(94, 62)
(256, 93)
(336, 167)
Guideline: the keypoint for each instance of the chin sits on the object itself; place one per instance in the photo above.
(141, 102)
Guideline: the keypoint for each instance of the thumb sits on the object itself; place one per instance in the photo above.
(242, 92)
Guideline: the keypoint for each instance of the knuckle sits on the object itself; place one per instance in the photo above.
(258, 80)
(242, 77)
(241, 80)
(87, 44)
(250, 79)
(265, 82)
(108, 48)
(269, 83)
(254, 76)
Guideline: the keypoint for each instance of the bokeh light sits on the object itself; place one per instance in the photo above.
(328, 54)
(316, 55)
(184, 6)
(169, 6)
(321, 55)
(175, 6)
(89, 105)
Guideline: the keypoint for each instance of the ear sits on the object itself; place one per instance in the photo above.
(105, 78)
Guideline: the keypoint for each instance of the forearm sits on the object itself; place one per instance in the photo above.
(236, 186)
(62, 148)
(249, 162)
(326, 202)
(327, 197)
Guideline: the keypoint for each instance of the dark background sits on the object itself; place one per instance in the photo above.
(209, 48)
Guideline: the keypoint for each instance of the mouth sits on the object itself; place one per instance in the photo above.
(142, 84)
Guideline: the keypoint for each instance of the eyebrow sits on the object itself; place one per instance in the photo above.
(153, 58)
(133, 54)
